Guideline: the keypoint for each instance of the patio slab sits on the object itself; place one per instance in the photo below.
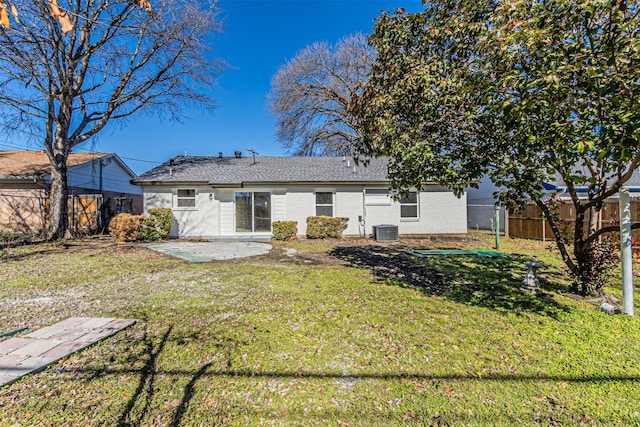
(209, 251)
(36, 350)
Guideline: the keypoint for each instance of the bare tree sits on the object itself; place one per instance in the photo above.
(66, 73)
(310, 94)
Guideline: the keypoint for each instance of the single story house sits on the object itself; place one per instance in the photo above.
(97, 181)
(241, 197)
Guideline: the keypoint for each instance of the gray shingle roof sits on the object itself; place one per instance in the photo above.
(233, 171)
(557, 181)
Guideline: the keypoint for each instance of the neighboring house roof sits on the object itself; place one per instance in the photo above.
(35, 164)
(28, 164)
(557, 183)
(234, 171)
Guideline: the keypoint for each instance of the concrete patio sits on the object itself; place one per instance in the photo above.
(209, 251)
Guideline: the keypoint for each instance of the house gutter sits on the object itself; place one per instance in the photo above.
(256, 183)
(280, 183)
(45, 186)
(167, 183)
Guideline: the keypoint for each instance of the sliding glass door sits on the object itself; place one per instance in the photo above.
(253, 212)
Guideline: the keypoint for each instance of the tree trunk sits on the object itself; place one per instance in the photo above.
(553, 220)
(59, 193)
(594, 220)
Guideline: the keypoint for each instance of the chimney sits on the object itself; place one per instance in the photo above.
(238, 154)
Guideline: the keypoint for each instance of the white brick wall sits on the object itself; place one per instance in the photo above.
(439, 210)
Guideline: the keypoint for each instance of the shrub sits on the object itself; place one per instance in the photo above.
(285, 230)
(158, 224)
(321, 227)
(125, 227)
(597, 269)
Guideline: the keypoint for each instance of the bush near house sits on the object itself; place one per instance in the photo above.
(285, 230)
(125, 227)
(321, 227)
(158, 224)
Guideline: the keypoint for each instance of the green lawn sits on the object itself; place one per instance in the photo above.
(338, 333)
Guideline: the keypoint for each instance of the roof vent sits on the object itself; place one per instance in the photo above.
(219, 154)
(238, 154)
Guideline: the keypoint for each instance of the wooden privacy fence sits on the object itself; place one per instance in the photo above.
(530, 224)
(84, 212)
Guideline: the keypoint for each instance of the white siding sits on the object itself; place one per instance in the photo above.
(114, 178)
(279, 204)
(301, 203)
(480, 202)
(227, 212)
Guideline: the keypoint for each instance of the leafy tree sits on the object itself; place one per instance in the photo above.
(540, 89)
(66, 73)
(310, 94)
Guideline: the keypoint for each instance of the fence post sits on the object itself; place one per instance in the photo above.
(626, 250)
(506, 222)
(496, 209)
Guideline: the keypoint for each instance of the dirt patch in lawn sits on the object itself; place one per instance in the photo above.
(363, 252)
(93, 246)
(391, 263)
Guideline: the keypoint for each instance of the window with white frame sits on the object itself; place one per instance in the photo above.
(409, 206)
(324, 203)
(377, 197)
(186, 198)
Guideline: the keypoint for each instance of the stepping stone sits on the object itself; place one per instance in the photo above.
(12, 344)
(36, 350)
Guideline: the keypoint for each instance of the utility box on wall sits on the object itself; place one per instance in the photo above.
(385, 233)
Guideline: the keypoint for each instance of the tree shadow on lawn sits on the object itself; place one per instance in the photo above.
(485, 282)
(149, 371)
(26, 253)
(147, 379)
(140, 403)
(95, 246)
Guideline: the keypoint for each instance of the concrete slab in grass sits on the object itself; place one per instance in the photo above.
(29, 354)
(9, 345)
(209, 251)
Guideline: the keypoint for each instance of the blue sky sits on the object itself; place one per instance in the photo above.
(258, 38)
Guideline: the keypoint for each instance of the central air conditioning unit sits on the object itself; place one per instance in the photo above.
(385, 233)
